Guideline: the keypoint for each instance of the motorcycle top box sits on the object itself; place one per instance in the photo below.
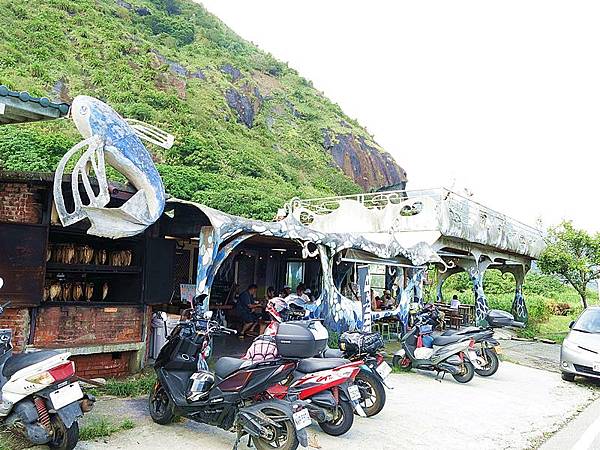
(498, 319)
(301, 339)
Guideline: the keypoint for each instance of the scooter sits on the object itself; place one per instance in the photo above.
(41, 397)
(233, 397)
(358, 346)
(326, 384)
(485, 355)
(445, 357)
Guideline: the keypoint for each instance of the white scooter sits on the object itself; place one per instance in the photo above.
(41, 398)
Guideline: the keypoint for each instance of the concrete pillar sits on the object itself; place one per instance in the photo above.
(476, 268)
(413, 292)
(519, 308)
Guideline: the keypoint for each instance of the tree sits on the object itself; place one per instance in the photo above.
(573, 255)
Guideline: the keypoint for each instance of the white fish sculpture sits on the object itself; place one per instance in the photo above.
(110, 138)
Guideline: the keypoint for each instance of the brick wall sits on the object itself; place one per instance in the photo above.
(105, 365)
(19, 202)
(74, 326)
(18, 321)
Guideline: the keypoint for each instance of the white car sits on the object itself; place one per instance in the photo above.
(580, 351)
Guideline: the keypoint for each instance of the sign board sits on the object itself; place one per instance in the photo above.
(110, 310)
(188, 292)
(2, 108)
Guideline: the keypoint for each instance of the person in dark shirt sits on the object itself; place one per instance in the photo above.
(244, 310)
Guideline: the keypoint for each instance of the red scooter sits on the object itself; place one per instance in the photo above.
(325, 385)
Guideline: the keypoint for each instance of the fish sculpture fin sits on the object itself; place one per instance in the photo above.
(151, 133)
(91, 159)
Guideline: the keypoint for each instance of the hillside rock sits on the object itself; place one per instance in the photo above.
(368, 166)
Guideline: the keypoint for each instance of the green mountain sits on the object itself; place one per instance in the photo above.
(250, 132)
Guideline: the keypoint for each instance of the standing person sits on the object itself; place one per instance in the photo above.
(244, 310)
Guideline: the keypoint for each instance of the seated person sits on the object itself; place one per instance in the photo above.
(300, 293)
(270, 293)
(244, 310)
(286, 292)
(308, 293)
(377, 303)
(388, 300)
(455, 302)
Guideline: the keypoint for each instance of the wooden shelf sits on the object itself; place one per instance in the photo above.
(91, 268)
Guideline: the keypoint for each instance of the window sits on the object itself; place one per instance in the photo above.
(294, 273)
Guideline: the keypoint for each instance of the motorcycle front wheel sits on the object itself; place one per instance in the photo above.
(492, 362)
(160, 406)
(342, 422)
(282, 438)
(467, 373)
(63, 438)
(372, 393)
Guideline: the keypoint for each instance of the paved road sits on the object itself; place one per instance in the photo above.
(532, 354)
(515, 409)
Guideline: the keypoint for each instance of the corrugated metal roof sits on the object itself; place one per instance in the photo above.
(19, 107)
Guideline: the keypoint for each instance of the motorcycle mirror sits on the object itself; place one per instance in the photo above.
(208, 315)
(1, 282)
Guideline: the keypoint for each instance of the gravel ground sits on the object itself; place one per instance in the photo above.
(515, 409)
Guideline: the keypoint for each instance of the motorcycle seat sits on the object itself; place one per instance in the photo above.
(440, 341)
(22, 360)
(225, 366)
(333, 353)
(466, 330)
(310, 365)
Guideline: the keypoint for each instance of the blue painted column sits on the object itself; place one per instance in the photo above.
(519, 308)
(481, 307)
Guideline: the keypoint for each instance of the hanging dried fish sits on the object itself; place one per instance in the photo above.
(85, 254)
(77, 291)
(49, 253)
(127, 257)
(69, 255)
(46, 292)
(89, 291)
(55, 290)
(100, 256)
(67, 292)
(104, 290)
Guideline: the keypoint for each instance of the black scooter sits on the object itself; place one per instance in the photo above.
(487, 348)
(226, 398)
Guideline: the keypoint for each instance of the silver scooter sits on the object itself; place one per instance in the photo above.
(447, 355)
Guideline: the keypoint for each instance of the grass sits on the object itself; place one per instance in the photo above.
(101, 427)
(133, 386)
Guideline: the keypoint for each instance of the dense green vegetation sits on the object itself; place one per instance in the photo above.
(573, 255)
(551, 303)
(170, 63)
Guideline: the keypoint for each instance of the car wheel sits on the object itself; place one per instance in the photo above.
(567, 376)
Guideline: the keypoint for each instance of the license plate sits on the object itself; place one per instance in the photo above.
(384, 369)
(498, 349)
(302, 419)
(66, 395)
(596, 367)
(354, 392)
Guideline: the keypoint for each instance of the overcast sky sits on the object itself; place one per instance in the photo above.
(502, 98)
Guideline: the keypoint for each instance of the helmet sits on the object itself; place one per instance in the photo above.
(200, 385)
(278, 308)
